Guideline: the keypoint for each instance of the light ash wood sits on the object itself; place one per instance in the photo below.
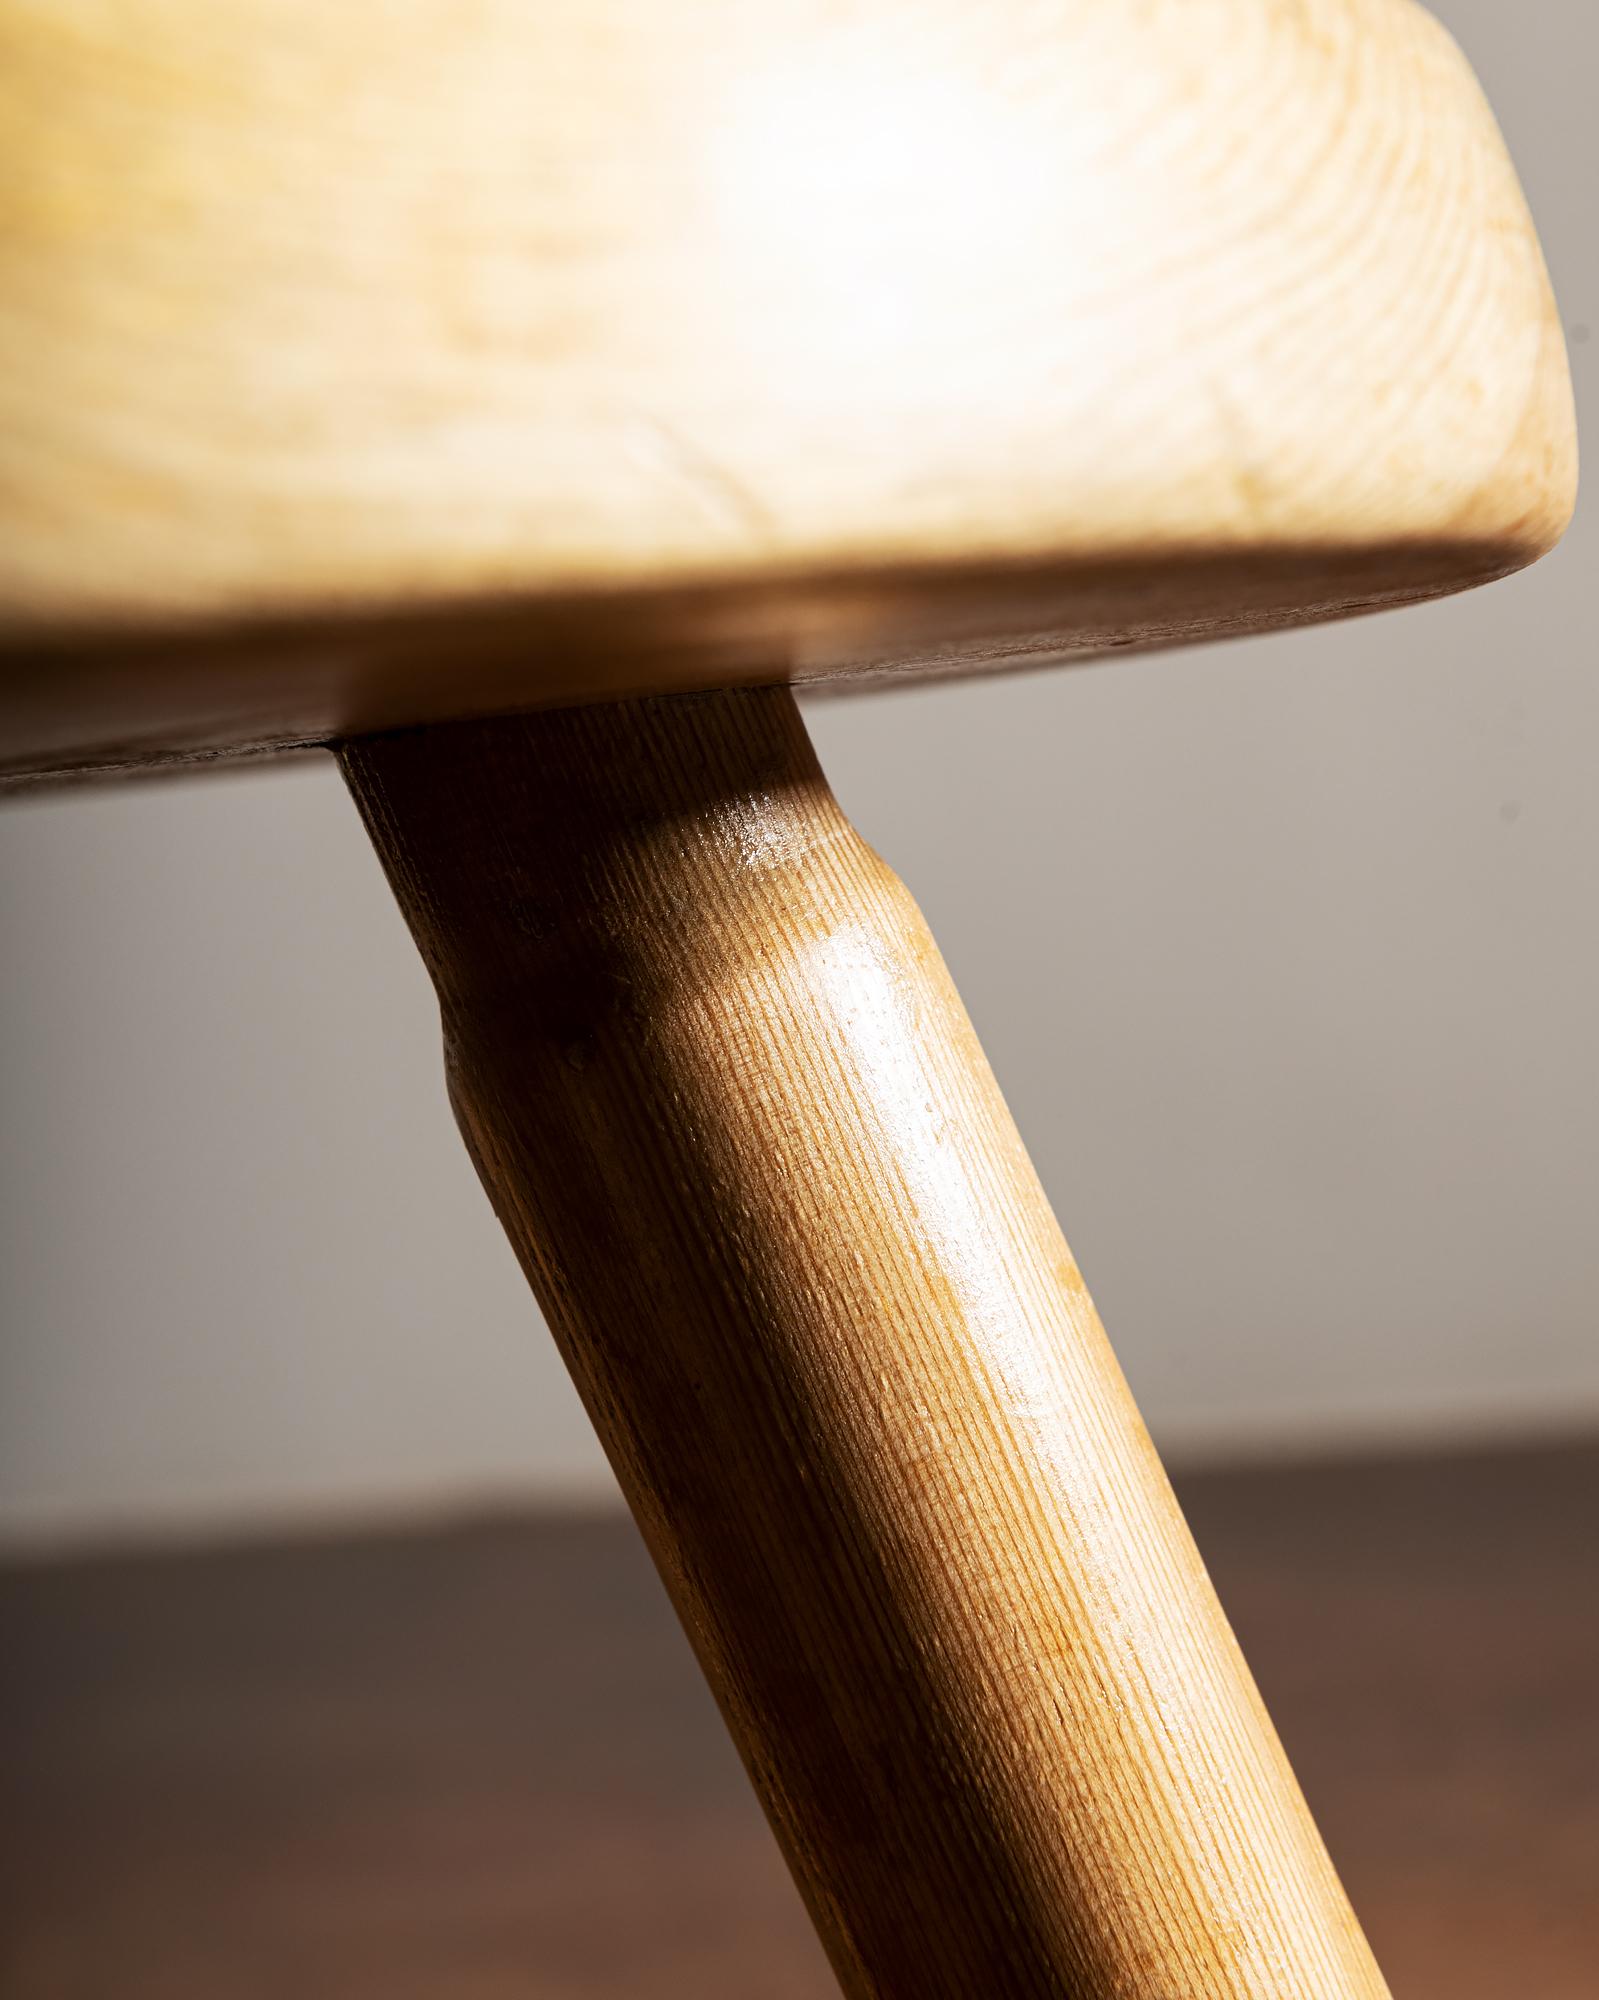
(366, 363)
(730, 1110)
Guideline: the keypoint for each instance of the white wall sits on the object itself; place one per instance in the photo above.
(1286, 954)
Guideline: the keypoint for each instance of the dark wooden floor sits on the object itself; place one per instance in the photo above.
(478, 1763)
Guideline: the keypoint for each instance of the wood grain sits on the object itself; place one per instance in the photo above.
(367, 364)
(475, 1759)
(738, 1128)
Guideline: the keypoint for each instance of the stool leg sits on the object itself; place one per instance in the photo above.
(728, 1107)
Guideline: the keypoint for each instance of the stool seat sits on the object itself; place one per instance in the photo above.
(363, 364)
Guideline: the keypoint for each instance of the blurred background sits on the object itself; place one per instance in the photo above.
(1284, 954)
(1286, 957)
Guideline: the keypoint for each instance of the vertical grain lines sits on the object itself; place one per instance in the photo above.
(734, 1119)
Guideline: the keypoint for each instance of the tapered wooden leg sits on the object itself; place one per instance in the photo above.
(734, 1119)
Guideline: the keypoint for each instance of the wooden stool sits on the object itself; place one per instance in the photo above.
(371, 370)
